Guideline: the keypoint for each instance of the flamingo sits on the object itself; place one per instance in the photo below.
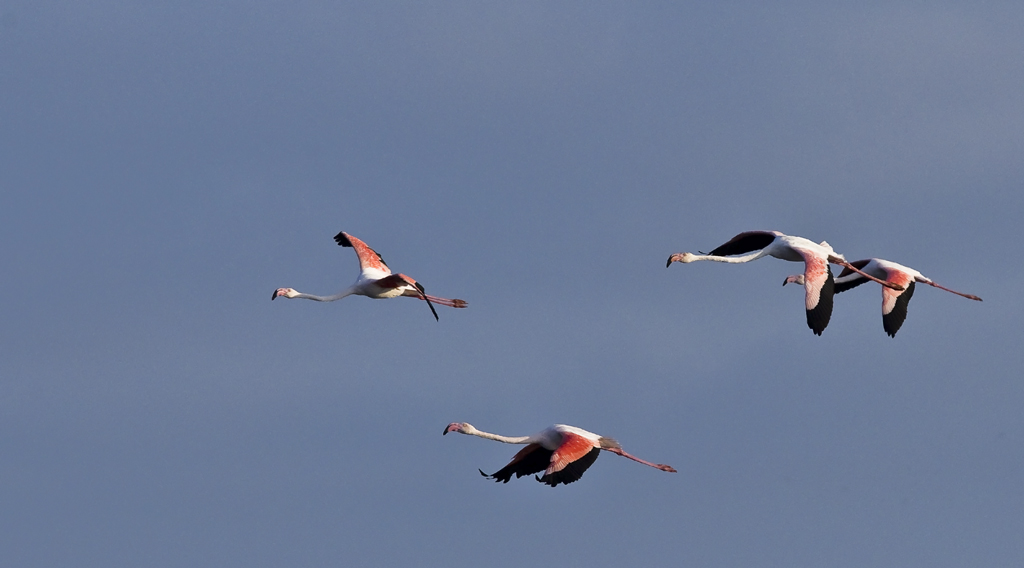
(375, 280)
(819, 282)
(562, 452)
(894, 304)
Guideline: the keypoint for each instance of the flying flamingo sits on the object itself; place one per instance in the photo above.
(894, 304)
(819, 282)
(375, 280)
(562, 452)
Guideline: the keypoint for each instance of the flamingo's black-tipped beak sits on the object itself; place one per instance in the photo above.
(445, 433)
(274, 295)
(669, 263)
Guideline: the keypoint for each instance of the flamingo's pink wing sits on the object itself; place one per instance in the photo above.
(570, 459)
(368, 258)
(895, 302)
(819, 287)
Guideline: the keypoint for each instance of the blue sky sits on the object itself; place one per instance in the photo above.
(163, 168)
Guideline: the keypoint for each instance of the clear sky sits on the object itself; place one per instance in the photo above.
(164, 166)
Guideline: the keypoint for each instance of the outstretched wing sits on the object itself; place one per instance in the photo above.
(368, 258)
(527, 461)
(895, 302)
(848, 279)
(819, 287)
(745, 242)
(568, 462)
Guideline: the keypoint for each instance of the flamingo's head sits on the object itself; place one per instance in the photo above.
(460, 427)
(286, 292)
(794, 279)
(683, 257)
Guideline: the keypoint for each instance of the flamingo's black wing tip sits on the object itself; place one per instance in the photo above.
(429, 303)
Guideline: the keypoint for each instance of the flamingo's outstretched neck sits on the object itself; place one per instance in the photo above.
(968, 296)
(688, 257)
(467, 428)
(500, 438)
(337, 296)
(291, 293)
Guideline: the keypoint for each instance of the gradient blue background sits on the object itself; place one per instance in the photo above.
(165, 166)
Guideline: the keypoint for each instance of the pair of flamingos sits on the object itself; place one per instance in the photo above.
(819, 286)
(563, 452)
